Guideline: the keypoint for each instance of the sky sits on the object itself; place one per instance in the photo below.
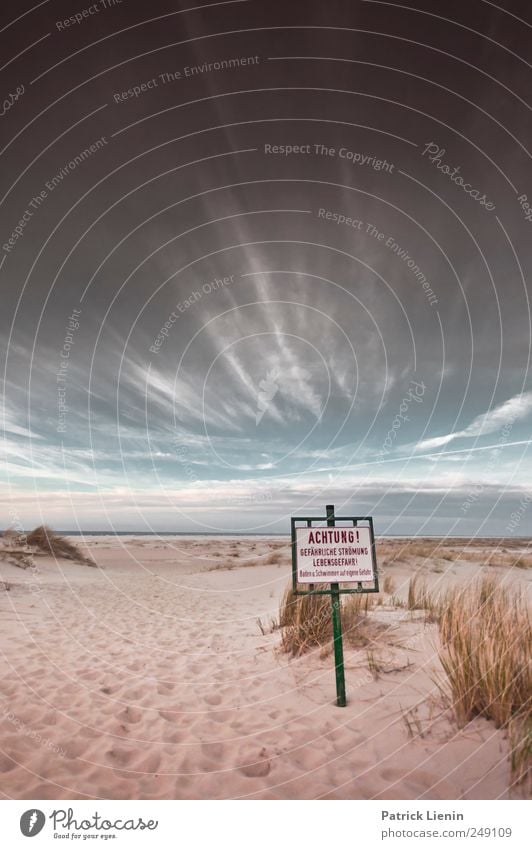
(259, 257)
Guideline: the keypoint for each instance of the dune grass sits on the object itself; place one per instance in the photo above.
(486, 636)
(418, 595)
(485, 639)
(388, 585)
(47, 541)
(501, 553)
(306, 621)
(273, 559)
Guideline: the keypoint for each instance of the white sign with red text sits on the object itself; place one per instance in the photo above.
(333, 555)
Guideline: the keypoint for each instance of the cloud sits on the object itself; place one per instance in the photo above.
(518, 407)
(10, 424)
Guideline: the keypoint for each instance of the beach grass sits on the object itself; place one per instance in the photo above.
(48, 541)
(306, 621)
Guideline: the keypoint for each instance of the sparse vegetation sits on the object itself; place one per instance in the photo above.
(267, 627)
(486, 635)
(374, 665)
(306, 621)
(507, 553)
(412, 720)
(520, 737)
(388, 584)
(47, 541)
(395, 601)
(273, 558)
(418, 595)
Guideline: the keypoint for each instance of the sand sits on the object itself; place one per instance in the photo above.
(149, 677)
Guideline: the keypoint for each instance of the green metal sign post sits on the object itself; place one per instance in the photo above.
(341, 700)
(347, 554)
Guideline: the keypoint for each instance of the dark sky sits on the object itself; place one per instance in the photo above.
(260, 256)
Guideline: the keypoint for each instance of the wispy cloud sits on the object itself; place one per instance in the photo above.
(516, 408)
(10, 424)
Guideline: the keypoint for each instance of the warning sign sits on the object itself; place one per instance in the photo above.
(334, 555)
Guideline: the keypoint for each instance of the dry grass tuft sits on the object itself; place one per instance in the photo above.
(49, 542)
(520, 736)
(267, 627)
(306, 621)
(523, 562)
(402, 551)
(412, 721)
(273, 558)
(389, 584)
(486, 636)
(418, 595)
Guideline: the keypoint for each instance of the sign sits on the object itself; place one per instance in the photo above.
(334, 555)
(334, 550)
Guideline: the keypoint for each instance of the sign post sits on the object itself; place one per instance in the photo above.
(339, 557)
(337, 629)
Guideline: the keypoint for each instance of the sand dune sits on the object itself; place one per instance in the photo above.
(149, 677)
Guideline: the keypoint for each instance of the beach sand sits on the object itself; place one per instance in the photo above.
(149, 677)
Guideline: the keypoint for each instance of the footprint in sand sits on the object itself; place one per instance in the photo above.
(130, 714)
(259, 768)
(75, 749)
(170, 715)
(222, 716)
(165, 688)
(119, 757)
(150, 764)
